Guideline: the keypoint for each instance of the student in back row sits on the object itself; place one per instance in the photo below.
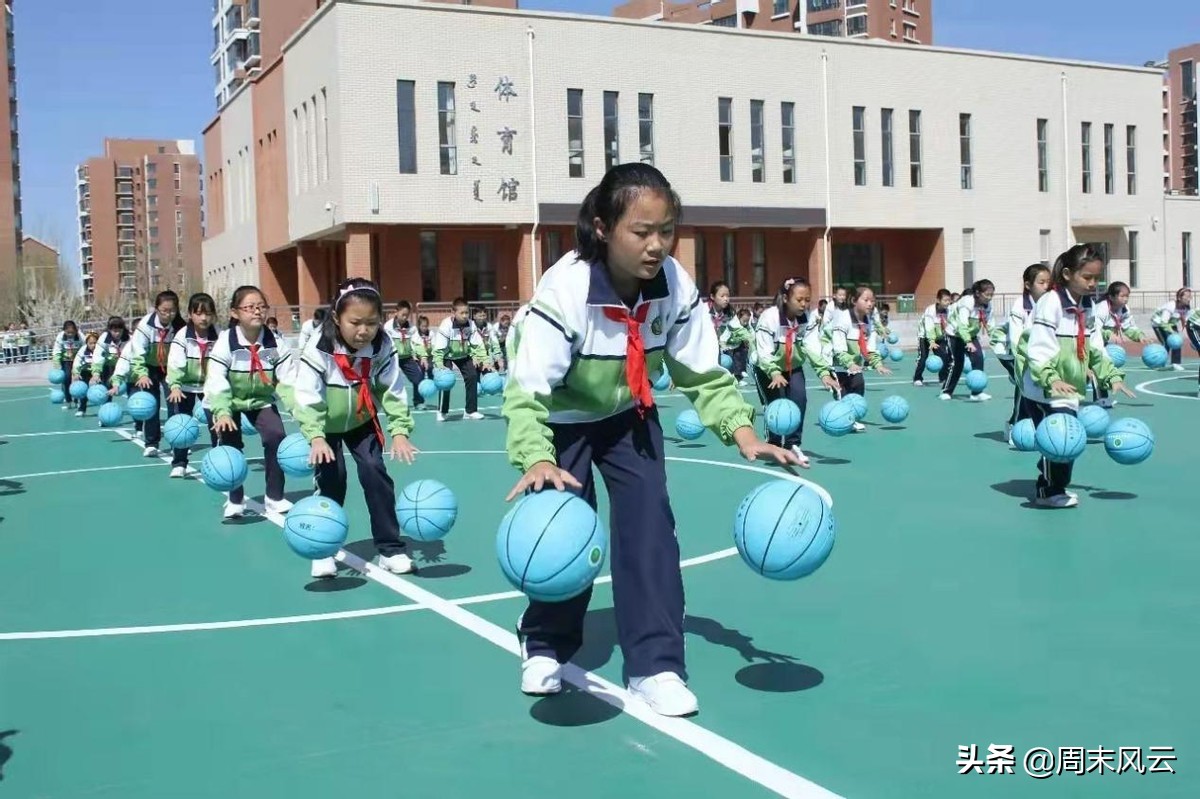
(457, 341)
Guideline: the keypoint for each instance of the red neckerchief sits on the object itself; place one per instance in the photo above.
(982, 319)
(160, 349)
(788, 344)
(862, 339)
(635, 355)
(366, 402)
(256, 364)
(203, 345)
(1117, 321)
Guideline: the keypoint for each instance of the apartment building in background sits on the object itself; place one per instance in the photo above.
(1182, 131)
(12, 281)
(42, 265)
(904, 21)
(140, 218)
(416, 166)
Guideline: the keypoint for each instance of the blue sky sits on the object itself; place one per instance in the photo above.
(140, 69)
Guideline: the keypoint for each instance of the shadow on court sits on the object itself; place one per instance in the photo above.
(994, 435)
(429, 557)
(572, 708)
(10, 488)
(6, 751)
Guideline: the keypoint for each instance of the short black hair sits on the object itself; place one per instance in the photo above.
(609, 200)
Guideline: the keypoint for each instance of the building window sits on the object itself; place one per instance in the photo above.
(406, 125)
(1110, 167)
(1187, 259)
(914, 149)
(575, 133)
(612, 147)
(1187, 80)
(856, 26)
(725, 137)
(779, 8)
(1085, 138)
(701, 261)
(964, 150)
(758, 166)
(885, 141)
(1131, 159)
(553, 247)
(831, 28)
(479, 271)
(860, 145)
(726, 22)
(730, 261)
(1043, 155)
(759, 263)
(968, 256)
(787, 112)
(1133, 259)
(646, 128)
(1044, 246)
(447, 150)
(429, 266)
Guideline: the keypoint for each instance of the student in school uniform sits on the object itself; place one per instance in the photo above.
(502, 328)
(611, 312)
(932, 329)
(1168, 319)
(348, 373)
(402, 333)
(423, 345)
(457, 341)
(310, 328)
(108, 351)
(1035, 281)
(187, 368)
(1064, 345)
(851, 338)
(62, 355)
(151, 347)
(1117, 325)
(491, 343)
(247, 366)
(970, 316)
(733, 337)
(786, 338)
(81, 368)
(1192, 325)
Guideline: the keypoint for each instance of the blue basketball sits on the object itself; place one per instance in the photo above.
(57, 377)
(78, 389)
(293, 456)
(200, 414)
(688, 425)
(784, 530)
(1174, 341)
(977, 380)
(896, 354)
(1061, 438)
(859, 403)
(181, 431)
(141, 406)
(122, 389)
(1024, 436)
(934, 364)
(491, 383)
(551, 546)
(427, 389)
(884, 351)
(248, 428)
(726, 361)
(662, 381)
(1117, 354)
(224, 469)
(1128, 441)
(1155, 356)
(1095, 420)
(893, 338)
(316, 528)
(836, 418)
(783, 417)
(444, 379)
(97, 395)
(426, 510)
(57, 397)
(894, 409)
(110, 414)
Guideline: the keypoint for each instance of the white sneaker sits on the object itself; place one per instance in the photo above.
(150, 452)
(1177, 367)
(78, 414)
(326, 567)
(441, 417)
(919, 383)
(1107, 402)
(477, 415)
(665, 693)
(234, 510)
(280, 506)
(859, 427)
(541, 676)
(943, 396)
(1057, 501)
(179, 471)
(397, 564)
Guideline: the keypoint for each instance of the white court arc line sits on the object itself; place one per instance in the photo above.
(1141, 387)
(717, 748)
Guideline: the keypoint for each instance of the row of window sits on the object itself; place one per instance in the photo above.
(310, 131)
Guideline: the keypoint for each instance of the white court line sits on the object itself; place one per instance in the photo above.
(55, 433)
(45, 397)
(719, 749)
(79, 471)
(1141, 387)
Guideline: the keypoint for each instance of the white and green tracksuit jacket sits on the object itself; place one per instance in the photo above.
(1119, 323)
(65, 348)
(326, 401)
(771, 344)
(151, 346)
(1168, 317)
(968, 320)
(845, 338)
(452, 342)
(187, 361)
(934, 325)
(107, 353)
(570, 360)
(402, 337)
(1053, 350)
(236, 383)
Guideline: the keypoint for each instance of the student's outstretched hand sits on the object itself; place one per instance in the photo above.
(883, 370)
(1120, 386)
(1060, 388)
(226, 425)
(830, 382)
(319, 452)
(403, 450)
(752, 448)
(143, 383)
(539, 475)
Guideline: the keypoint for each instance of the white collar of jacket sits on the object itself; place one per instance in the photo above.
(237, 341)
(210, 335)
(1068, 302)
(602, 293)
(327, 345)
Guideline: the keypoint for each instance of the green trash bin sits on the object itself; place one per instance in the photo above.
(906, 303)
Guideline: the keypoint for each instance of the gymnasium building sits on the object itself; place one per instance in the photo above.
(443, 150)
